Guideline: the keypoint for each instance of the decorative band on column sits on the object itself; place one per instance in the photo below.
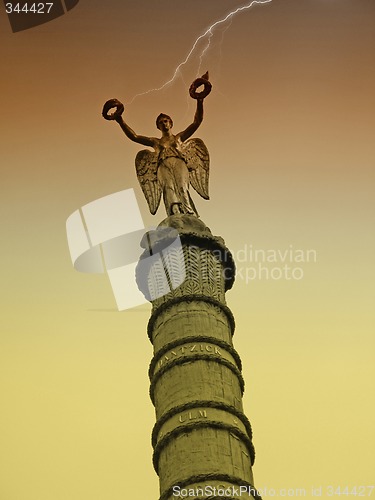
(194, 339)
(200, 404)
(191, 426)
(190, 298)
(197, 357)
(188, 239)
(217, 246)
(211, 477)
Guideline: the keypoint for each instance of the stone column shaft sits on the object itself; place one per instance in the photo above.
(202, 440)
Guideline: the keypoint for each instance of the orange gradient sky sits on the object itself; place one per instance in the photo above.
(290, 129)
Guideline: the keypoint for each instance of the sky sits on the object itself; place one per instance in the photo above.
(289, 125)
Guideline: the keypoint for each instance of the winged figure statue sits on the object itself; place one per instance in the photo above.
(176, 161)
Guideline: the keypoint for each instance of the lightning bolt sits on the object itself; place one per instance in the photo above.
(209, 43)
(208, 34)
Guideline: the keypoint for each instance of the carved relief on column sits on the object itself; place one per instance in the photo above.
(183, 259)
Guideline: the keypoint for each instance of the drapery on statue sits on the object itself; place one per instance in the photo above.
(175, 162)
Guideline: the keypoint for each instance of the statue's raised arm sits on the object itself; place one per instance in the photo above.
(199, 96)
(176, 161)
(117, 115)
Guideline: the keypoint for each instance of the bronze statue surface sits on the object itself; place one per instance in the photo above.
(176, 160)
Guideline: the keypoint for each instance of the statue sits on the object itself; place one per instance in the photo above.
(176, 161)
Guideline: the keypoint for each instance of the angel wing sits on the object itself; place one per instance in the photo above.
(198, 163)
(146, 164)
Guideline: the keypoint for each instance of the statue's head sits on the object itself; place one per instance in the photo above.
(162, 121)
